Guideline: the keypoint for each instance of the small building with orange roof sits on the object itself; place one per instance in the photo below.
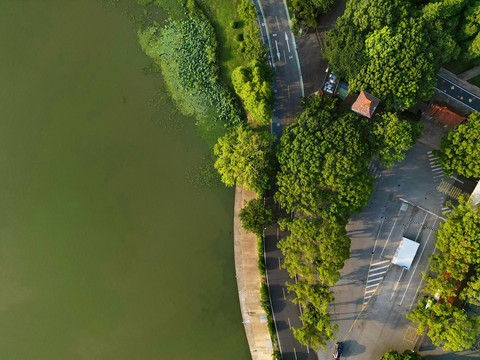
(365, 104)
(445, 115)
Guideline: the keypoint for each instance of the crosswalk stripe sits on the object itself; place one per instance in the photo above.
(375, 279)
(376, 274)
(436, 166)
(372, 285)
(369, 291)
(381, 262)
(379, 268)
(437, 170)
(429, 152)
(445, 208)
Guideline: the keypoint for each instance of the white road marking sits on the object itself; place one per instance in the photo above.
(439, 176)
(379, 268)
(454, 178)
(378, 233)
(396, 285)
(436, 166)
(437, 170)
(421, 208)
(376, 274)
(418, 287)
(381, 262)
(418, 261)
(375, 279)
(391, 231)
(369, 291)
(372, 285)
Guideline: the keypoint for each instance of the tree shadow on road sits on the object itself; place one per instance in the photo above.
(352, 347)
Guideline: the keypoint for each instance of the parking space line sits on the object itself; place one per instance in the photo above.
(388, 238)
(381, 262)
(396, 285)
(421, 281)
(418, 261)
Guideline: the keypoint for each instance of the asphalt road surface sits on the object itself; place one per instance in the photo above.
(458, 93)
(287, 83)
(286, 312)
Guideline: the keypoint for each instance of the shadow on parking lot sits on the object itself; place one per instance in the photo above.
(352, 347)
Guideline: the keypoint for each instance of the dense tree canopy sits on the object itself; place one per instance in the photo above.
(454, 276)
(255, 216)
(324, 162)
(244, 158)
(407, 355)
(393, 49)
(253, 84)
(393, 137)
(460, 150)
(306, 11)
(314, 253)
(448, 326)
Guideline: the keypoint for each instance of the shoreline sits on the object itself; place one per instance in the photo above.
(248, 282)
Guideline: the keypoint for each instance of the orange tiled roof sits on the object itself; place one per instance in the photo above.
(365, 104)
(444, 115)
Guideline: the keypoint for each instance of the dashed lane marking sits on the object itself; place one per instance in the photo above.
(279, 264)
(289, 324)
(284, 297)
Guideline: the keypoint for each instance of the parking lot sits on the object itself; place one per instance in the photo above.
(373, 296)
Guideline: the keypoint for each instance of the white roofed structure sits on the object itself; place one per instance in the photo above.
(405, 253)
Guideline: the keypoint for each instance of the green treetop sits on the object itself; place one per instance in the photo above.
(244, 158)
(393, 137)
(460, 150)
(323, 161)
(407, 355)
(255, 216)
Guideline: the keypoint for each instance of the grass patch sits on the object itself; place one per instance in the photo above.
(475, 81)
(221, 13)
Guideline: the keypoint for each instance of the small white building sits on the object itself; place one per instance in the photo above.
(405, 253)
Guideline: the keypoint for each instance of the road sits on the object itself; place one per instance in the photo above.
(288, 85)
(458, 93)
(285, 311)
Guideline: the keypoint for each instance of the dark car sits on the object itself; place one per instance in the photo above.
(338, 350)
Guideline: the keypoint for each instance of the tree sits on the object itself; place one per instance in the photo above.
(253, 84)
(407, 355)
(455, 270)
(447, 325)
(460, 150)
(323, 161)
(471, 31)
(306, 11)
(245, 158)
(398, 70)
(393, 49)
(392, 137)
(316, 329)
(255, 216)
(314, 251)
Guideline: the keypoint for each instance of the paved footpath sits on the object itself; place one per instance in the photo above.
(249, 281)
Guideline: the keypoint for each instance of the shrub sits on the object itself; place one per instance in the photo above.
(239, 37)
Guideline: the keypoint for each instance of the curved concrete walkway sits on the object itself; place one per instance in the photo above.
(249, 281)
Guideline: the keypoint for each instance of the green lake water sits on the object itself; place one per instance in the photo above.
(107, 251)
